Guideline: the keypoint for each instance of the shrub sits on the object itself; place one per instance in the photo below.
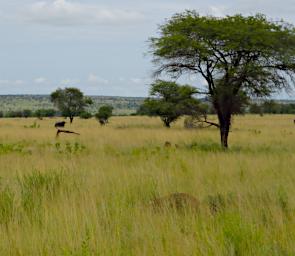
(85, 115)
(103, 114)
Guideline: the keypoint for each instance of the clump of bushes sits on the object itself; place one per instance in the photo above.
(85, 115)
(103, 114)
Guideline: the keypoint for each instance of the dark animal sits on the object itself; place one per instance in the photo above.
(294, 121)
(60, 124)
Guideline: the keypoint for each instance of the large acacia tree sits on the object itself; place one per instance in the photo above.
(237, 56)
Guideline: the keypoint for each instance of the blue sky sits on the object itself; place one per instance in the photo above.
(98, 46)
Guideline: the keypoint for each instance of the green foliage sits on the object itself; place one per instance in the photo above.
(45, 113)
(104, 113)
(255, 109)
(27, 113)
(70, 101)
(14, 113)
(272, 107)
(122, 105)
(169, 101)
(85, 115)
(237, 56)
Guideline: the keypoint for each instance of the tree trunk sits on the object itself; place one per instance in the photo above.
(71, 119)
(167, 124)
(224, 122)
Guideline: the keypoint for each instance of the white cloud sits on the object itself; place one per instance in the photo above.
(68, 13)
(40, 80)
(69, 82)
(11, 82)
(140, 80)
(218, 11)
(94, 79)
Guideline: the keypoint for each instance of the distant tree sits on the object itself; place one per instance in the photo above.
(85, 115)
(288, 108)
(169, 101)
(14, 113)
(70, 101)
(271, 107)
(27, 113)
(255, 108)
(40, 113)
(237, 56)
(103, 114)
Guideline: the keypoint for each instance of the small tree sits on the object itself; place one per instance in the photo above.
(27, 113)
(70, 101)
(237, 56)
(40, 113)
(256, 109)
(103, 114)
(169, 101)
(85, 115)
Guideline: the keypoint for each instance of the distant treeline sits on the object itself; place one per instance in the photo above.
(40, 113)
(121, 105)
(271, 107)
(266, 107)
(29, 113)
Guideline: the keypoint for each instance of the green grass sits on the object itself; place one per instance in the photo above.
(91, 194)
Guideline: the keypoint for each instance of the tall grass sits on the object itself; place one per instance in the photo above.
(91, 194)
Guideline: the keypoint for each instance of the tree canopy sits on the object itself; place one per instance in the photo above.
(169, 101)
(104, 113)
(237, 56)
(70, 101)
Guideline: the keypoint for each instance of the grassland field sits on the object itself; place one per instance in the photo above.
(91, 194)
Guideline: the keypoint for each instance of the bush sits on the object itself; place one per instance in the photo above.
(103, 114)
(27, 113)
(13, 114)
(45, 113)
(85, 115)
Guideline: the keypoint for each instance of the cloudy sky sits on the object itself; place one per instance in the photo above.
(96, 45)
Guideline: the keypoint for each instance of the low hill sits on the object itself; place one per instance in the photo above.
(122, 105)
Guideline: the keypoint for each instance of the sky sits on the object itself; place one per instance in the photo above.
(98, 46)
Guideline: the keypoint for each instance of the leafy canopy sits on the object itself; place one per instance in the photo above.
(70, 101)
(246, 52)
(237, 56)
(104, 113)
(169, 101)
